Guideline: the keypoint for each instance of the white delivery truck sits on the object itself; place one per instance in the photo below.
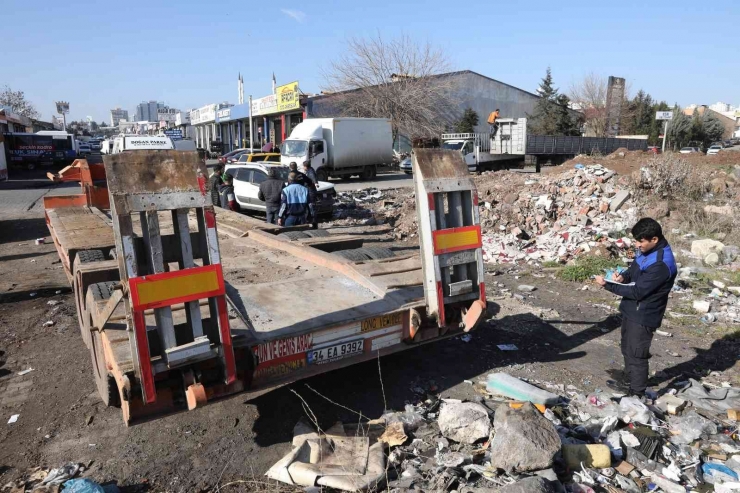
(488, 151)
(124, 143)
(340, 146)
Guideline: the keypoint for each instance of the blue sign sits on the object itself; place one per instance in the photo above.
(174, 134)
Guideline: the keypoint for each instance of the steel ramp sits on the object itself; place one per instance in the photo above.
(144, 184)
(449, 237)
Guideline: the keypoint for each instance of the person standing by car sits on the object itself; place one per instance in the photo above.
(310, 173)
(214, 184)
(294, 203)
(311, 185)
(270, 193)
(644, 289)
(227, 195)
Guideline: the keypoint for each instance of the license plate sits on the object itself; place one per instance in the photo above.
(333, 353)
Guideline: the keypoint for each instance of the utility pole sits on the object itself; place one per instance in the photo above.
(664, 115)
(251, 140)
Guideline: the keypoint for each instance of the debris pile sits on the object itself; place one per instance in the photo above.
(61, 479)
(685, 438)
(555, 218)
(357, 204)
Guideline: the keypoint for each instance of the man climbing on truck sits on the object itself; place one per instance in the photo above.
(492, 121)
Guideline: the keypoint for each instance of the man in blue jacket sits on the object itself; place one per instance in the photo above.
(644, 289)
(294, 203)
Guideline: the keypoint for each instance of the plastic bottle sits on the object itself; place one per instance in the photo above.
(506, 385)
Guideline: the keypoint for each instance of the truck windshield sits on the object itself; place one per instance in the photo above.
(294, 148)
(453, 146)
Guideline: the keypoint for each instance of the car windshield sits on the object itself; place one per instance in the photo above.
(294, 148)
(243, 158)
(453, 146)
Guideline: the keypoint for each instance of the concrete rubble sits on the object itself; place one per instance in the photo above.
(557, 217)
(685, 439)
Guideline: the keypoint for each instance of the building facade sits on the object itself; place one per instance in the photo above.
(154, 111)
(729, 122)
(205, 124)
(116, 115)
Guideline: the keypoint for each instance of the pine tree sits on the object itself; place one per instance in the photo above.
(712, 128)
(544, 120)
(467, 122)
(565, 123)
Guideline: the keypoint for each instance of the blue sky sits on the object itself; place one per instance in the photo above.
(187, 53)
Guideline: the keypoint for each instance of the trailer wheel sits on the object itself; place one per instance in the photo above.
(316, 233)
(294, 235)
(355, 255)
(107, 388)
(87, 256)
(377, 252)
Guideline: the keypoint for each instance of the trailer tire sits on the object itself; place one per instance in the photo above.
(294, 235)
(316, 233)
(376, 253)
(355, 255)
(106, 384)
(87, 256)
(102, 290)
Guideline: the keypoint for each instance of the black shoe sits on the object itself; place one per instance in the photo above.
(617, 386)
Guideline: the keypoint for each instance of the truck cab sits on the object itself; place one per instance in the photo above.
(305, 144)
(465, 143)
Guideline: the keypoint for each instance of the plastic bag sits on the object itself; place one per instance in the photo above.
(718, 473)
(632, 410)
(87, 486)
(690, 427)
(411, 419)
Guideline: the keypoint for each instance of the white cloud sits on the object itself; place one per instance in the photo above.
(297, 15)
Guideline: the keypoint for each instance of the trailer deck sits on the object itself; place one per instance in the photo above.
(296, 307)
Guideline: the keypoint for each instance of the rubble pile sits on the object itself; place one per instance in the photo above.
(555, 218)
(507, 440)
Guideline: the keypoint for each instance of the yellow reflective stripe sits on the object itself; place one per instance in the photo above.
(445, 241)
(177, 287)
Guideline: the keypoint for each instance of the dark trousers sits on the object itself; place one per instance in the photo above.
(272, 214)
(636, 341)
(294, 220)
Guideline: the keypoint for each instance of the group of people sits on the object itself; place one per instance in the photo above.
(289, 205)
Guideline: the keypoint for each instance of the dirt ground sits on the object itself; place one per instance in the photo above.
(564, 335)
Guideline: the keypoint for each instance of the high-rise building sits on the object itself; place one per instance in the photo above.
(151, 111)
(116, 115)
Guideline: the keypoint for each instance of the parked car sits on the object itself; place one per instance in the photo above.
(405, 166)
(689, 150)
(728, 143)
(719, 143)
(247, 179)
(715, 149)
(653, 149)
(84, 149)
(271, 157)
(223, 159)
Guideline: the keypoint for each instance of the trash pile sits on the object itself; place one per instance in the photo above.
(518, 438)
(62, 479)
(357, 204)
(555, 218)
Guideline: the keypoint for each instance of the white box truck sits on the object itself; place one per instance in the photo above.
(340, 146)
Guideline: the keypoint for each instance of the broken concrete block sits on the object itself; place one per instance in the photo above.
(534, 484)
(604, 207)
(670, 404)
(702, 248)
(734, 289)
(526, 288)
(702, 306)
(465, 422)
(618, 200)
(592, 455)
(511, 198)
(712, 259)
(725, 210)
(524, 440)
(733, 414)
(718, 284)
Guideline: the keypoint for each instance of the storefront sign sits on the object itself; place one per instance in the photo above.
(204, 114)
(287, 97)
(224, 114)
(264, 106)
(174, 134)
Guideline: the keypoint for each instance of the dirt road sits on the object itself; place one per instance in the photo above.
(564, 336)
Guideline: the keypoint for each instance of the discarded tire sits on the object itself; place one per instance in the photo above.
(102, 290)
(87, 256)
(294, 235)
(316, 233)
(355, 255)
(377, 252)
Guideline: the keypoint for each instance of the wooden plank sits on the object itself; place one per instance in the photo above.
(180, 223)
(155, 259)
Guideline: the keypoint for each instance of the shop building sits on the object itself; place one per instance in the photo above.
(275, 116)
(205, 125)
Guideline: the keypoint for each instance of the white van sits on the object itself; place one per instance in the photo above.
(125, 143)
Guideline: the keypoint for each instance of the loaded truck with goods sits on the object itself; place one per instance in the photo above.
(511, 143)
(340, 147)
(175, 306)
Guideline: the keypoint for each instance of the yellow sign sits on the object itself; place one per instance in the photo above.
(381, 322)
(287, 97)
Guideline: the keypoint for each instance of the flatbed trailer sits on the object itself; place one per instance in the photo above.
(176, 314)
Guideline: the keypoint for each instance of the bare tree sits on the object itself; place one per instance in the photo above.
(18, 103)
(397, 79)
(589, 96)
